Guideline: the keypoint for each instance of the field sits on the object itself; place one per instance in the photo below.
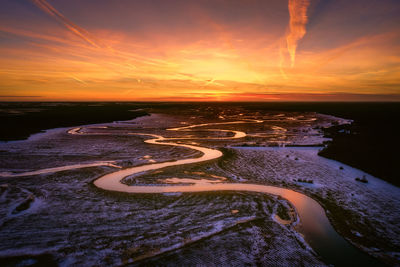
(61, 218)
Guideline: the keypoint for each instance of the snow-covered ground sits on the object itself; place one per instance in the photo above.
(366, 213)
(63, 215)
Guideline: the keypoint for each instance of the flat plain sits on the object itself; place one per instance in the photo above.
(58, 216)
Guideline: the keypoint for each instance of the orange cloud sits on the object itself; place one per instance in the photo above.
(297, 25)
(211, 60)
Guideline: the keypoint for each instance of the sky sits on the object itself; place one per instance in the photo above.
(200, 50)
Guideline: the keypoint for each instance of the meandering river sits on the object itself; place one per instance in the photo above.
(314, 225)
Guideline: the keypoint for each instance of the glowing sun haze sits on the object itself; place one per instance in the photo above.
(214, 50)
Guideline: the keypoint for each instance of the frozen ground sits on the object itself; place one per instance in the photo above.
(366, 213)
(62, 218)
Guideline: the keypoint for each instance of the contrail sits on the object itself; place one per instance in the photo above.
(297, 25)
(82, 33)
(77, 79)
(88, 38)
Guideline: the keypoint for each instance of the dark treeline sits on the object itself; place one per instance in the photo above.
(20, 120)
(371, 143)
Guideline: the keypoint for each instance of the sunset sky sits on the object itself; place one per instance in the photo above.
(214, 50)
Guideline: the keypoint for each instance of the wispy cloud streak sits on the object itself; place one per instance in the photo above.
(297, 25)
(78, 31)
(19, 96)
